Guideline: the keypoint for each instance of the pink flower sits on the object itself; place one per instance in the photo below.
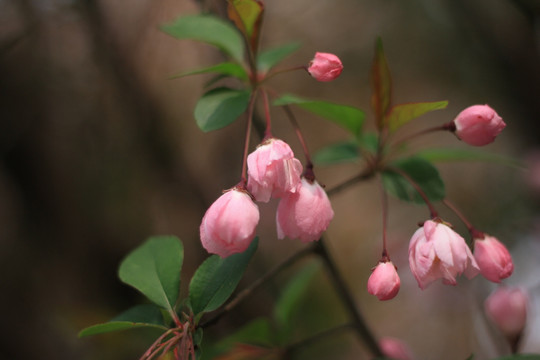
(507, 308)
(395, 349)
(228, 227)
(325, 67)
(273, 170)
(436, 251)
(478, 125)
(493, 259)
(305, 214)
(384, 281)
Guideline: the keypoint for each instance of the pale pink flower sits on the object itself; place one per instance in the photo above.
(305, 214)
(395, 349)
(478, 125)
(273, 171)
(436, 251)
(228, 227)
(493, 259)
(325, 67)
(384, 281)
(507, 308)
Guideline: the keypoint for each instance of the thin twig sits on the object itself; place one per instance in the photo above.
(359, 323)
(364, 175)
(257, 283)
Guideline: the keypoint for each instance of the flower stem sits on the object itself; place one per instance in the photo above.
(300, 136)
(251, 107)
(277, 72)
(366, 174)
(432, 211)
(474, 233)
(384, 201)
(359, 323)
(450, 126)
(268, 131)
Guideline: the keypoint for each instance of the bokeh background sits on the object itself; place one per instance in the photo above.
(99, 150)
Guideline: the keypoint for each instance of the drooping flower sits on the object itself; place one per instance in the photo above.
(478, 125)
(304, 214)
(325, 67)
(395, 349)
(384, 281)
(493, 259)
(228, 227)
(507, 308)
(438, 252)
(273, 171)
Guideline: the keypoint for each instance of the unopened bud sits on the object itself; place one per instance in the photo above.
(478, 125)
(325, 67)
(493, 259)
(384, 281)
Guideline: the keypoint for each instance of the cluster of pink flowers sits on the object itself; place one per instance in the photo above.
(304, 211)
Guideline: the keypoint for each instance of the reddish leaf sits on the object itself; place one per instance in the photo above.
(400, 115)
(247, 16)
(381, 84)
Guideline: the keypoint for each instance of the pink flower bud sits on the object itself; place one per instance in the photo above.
(228, 227)
(325, 67)
(507, 308)
(384, 281)
(305, 214)
(395, 349)
(493, 259)
(436, 251)
(478, 125)
(273, 171)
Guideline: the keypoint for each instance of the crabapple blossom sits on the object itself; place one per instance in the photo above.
(384, 281)
(395, 349)
(228, 227)
(478, 125)
(507, 308)
(273, 171)
(325, 67)
(493, 259)
(436, 251)
(304, 214)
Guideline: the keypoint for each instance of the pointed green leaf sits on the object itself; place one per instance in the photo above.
(209, 29)
(220, 107)
(337, 153)
(425, 175)
(247, 15)
(446, 155)
(215, 280)
(348, 117)
(147, 315)
(292, 294)
(400, 115)
(269, 58)
(154, 269)
(226, 68)
(381, 84)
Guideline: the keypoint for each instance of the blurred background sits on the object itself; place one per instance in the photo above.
(99, 150)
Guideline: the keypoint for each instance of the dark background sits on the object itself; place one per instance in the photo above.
(99, 150)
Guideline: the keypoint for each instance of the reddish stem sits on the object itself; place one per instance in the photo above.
(450, 126)
(268, 131)
(384, 200)
(308, 172)
(474, 233)
(433, 212)
(251, 106)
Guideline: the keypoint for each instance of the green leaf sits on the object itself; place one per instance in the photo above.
(348, 117)
(381, 84)
(247, 15)
(369, 141)
(446, 155)
(147, 315)
(154, 269)
(425, 175)
(226, 68)
(209, 29)
(292, 295)
(269, 58)
(215, 280)
(220, 107)
(337, 153)
(400, 115)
